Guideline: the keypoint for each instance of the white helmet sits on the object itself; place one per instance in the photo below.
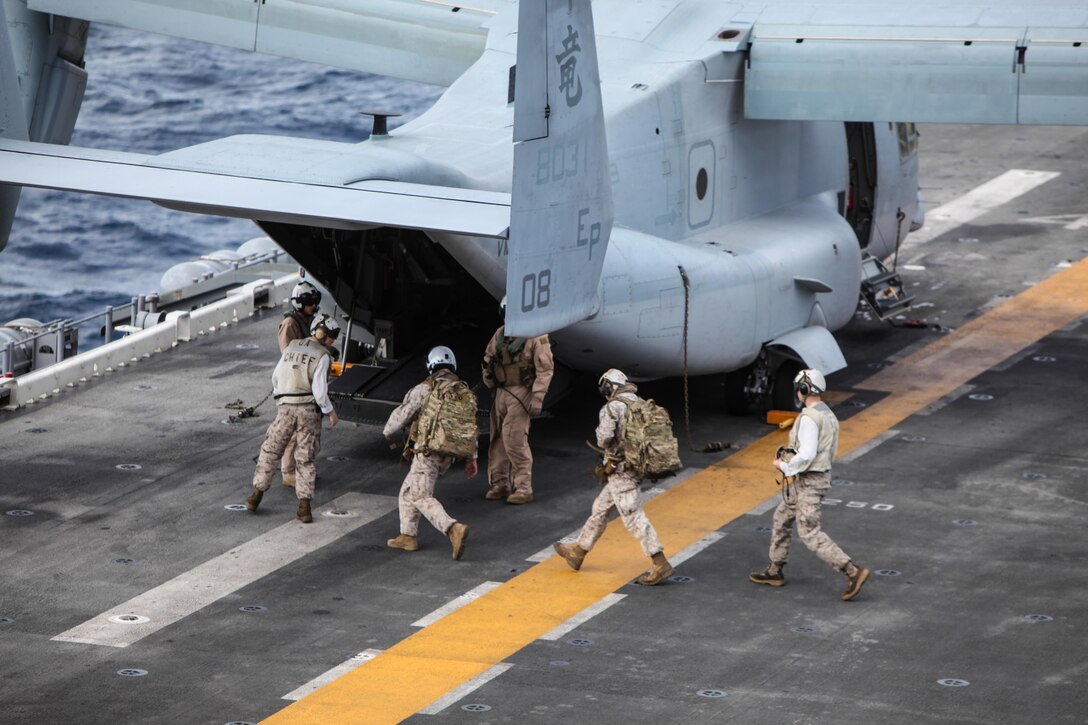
(439, 356)
(611, 380)
(810, 381)
(324, 325)
(304, 294)
(502, 307)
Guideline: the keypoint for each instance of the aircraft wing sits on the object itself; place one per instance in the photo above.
(1005, 62)
(432, 41)
(302, 200)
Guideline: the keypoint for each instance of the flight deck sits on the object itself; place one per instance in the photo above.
(138, 590)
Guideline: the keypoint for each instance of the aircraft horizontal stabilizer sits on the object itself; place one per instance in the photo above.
(363, 204)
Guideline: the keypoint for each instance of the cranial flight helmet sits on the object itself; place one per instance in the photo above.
(325, 325)
(810, 381)
(611, 380)
(304, 294)
(441, 356)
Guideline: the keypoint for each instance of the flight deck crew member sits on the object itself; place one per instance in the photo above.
(519, 371)
(417, 492)
(814, 437)
(621, 489)
(301, 390)
(295, 326)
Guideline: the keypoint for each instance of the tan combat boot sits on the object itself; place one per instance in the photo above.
(772, 575)
(519, 497)
(661, 569)
(289, 480)
(573, 553)
(254, 500)
(404, 542)
(496, 493)
(855, 577)
(458, 533)
(304, 514)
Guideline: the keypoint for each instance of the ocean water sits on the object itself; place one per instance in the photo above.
(71, 254)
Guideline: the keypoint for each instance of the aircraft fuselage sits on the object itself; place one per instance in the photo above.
(743, 206)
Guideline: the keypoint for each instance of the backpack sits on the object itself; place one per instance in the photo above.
(447, 421)
(649, 447)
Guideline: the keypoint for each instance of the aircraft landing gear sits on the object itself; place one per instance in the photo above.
(766, 384)
(782, 395)
(745, 388)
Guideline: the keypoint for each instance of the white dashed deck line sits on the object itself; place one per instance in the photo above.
(866, 447)
(325, 678)
(657, 489)
(975, 203)
(766, 506)
(582, 617)
(461, 692)
(227, 573)
(684, 554)
(456, 604)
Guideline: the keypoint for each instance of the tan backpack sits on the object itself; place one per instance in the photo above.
(650, 449)
(447, 421)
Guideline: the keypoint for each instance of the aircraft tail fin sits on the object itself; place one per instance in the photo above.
(561, 205)
(12, 122)
(41, 84)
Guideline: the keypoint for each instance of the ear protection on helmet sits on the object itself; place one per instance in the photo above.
(325, 326)
(809, 382)
(609, 381)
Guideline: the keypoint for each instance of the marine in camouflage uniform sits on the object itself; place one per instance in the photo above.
(300, 388)
(814, 438)
(519, 371)
(621, 488)
(416, 496)
(295, 326)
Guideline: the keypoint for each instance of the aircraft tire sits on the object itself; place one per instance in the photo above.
(782, 397)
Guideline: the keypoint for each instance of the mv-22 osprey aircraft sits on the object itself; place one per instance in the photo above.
(660, 184)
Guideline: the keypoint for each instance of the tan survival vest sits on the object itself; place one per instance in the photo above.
(293, 383)
(507, 365)
(827, 426)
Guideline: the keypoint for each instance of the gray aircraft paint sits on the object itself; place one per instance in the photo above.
(769, 258)
(561, 203)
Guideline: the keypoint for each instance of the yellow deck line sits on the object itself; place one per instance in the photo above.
(427, 665)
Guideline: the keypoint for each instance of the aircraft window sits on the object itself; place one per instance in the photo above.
(701, 182)
(908, 140)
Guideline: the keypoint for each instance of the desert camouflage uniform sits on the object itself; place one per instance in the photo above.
(804, 504)
(300, 424)
(621, 491)
(295, 326)
(508, 455)
(804, 500)
(298, 415)
(417, 492)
